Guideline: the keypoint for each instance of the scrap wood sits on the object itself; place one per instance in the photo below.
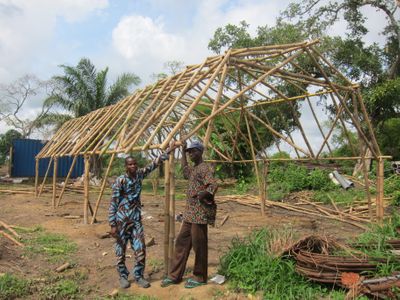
(333, 211)
(9, 229)
(17, 192)
(63, 267)
(11, 238)
(250, 201)
(224, 220)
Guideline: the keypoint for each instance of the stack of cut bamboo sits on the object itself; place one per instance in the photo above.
(304, 205)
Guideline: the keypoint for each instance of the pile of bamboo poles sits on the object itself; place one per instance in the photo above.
(302, 206)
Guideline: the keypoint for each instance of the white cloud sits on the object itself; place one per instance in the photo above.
(140, 39)
(27, 29)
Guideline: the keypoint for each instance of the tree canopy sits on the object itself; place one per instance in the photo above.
(82, 89)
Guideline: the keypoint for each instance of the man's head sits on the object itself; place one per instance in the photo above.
(195, 150)
(130, 165)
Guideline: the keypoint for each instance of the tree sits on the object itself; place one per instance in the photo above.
(6, 142)
(83, 89)
(316, 16)
(376, 67)
(16, 95)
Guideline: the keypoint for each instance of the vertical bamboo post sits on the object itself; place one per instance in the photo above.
(363, 161)
(103, 186)
(379, 188)
(66, 180)
(45, 177)
(55, 167)
(262, 199)
(166, 214)
(171, 208)
(36, 177)
(86, 190)
(264, 179)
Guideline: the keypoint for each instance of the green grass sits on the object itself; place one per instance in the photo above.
(250, 267)
(55, 247)
(63, 289)
(12, 287)
(374, 244)
(340, 196)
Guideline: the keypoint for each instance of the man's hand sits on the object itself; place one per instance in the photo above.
(164, 156)
(113, 231)
(206, 197)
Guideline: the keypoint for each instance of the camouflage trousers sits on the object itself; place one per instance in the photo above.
(133, 233)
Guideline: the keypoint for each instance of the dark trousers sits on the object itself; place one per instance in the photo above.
(191, 235)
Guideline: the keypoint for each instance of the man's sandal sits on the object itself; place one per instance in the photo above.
(167, 282)
(191, 283)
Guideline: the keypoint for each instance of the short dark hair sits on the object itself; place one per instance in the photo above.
(128, 158)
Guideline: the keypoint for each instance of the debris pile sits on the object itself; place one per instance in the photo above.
(315, 259)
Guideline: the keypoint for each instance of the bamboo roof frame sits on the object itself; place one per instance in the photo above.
(173, 108)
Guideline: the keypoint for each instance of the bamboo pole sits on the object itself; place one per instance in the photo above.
(318, 124)
(131, 113)
(103, 185)
(166, 214)
(133, 136)
(363, 162)
(330, 131)
(260, 186)
(366, 117)
(66, 180)
(215, 106)
(171, 209)
(195, 102)
(231, 100)
(379, 189)
(45, 177)
(86, 189)
(173, 104)
(53, 201)
(36, 176)
(355, 121)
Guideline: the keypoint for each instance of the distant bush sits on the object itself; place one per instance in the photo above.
(293, 178)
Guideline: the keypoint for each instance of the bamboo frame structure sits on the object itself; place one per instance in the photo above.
(250, 98)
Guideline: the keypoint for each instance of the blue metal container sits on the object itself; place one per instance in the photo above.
(23, 160)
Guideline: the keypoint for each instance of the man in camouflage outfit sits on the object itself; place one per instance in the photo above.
(125, 218)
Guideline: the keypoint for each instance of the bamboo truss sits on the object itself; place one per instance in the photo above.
(229, 97)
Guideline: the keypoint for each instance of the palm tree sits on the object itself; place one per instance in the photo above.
(81, 90)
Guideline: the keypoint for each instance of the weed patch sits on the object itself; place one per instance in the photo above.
(374, 244)
(340, 196)
(63, 289)
(12, 287)
(55, 247)
(293, 178)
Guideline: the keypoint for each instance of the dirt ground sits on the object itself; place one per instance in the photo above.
(95, 255)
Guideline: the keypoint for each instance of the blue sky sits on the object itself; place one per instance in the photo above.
(36, 36)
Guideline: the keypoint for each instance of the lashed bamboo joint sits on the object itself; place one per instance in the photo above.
(263, 88)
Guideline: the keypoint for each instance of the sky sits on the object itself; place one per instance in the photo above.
(36, 36)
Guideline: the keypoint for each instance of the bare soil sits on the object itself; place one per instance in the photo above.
(95, 255)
